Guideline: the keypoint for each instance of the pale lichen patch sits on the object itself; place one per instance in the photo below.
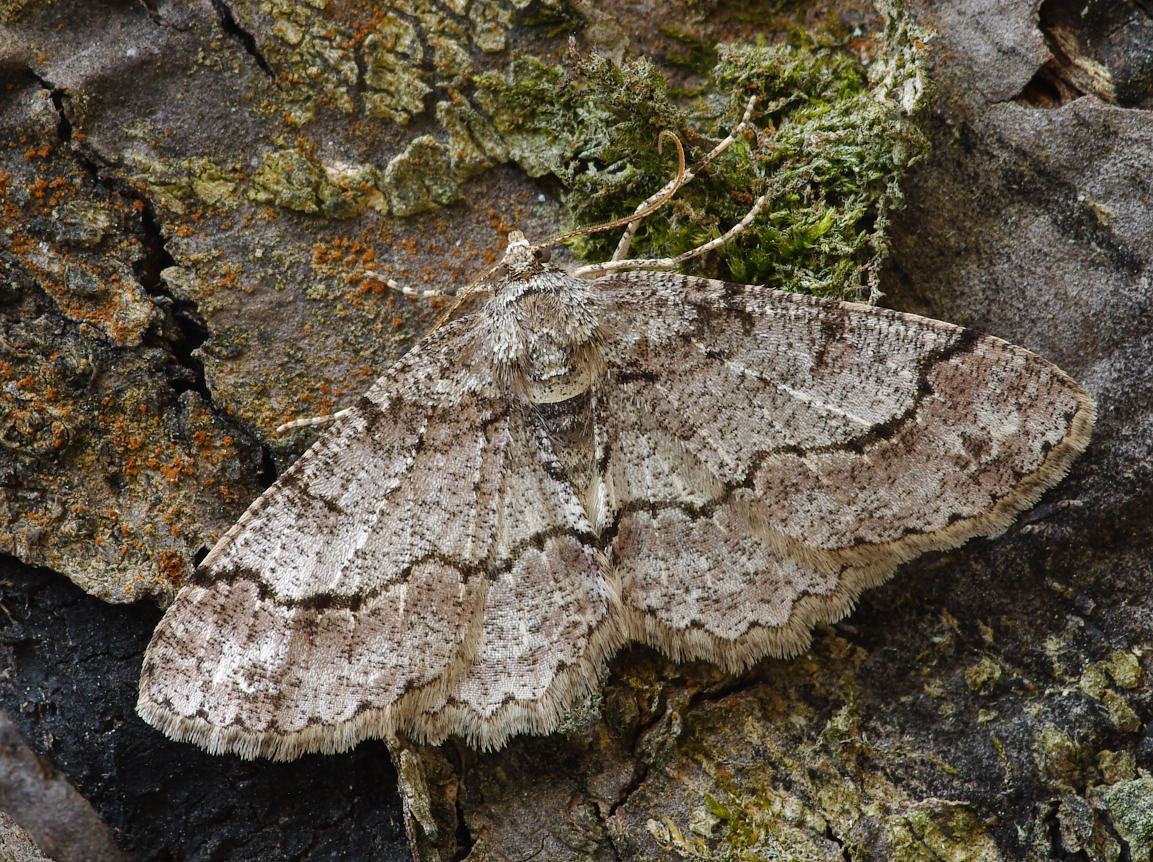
(420, 178)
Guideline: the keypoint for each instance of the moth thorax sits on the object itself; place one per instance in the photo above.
(549, 334)
(558, 372)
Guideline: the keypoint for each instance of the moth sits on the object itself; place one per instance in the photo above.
(566, 465)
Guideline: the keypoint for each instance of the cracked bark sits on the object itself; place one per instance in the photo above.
(182, 331)
(242, 36)
(84, 284)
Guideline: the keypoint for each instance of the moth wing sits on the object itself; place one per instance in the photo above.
(768, 456)
(551, 619)
(354, 587)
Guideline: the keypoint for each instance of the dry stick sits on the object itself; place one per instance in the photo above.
(639, 214)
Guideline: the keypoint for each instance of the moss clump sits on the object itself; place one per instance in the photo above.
(1130, 807)
(828, 143)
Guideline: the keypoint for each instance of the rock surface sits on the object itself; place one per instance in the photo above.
(47, 807)
(185, 266)
(991, 703)
(68, 671)
(16, 845)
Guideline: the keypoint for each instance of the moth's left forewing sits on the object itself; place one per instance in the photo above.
(350, 593)
(793, 451)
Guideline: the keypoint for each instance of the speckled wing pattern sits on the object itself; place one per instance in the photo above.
(706, 467)
(387, 568)
(771, 455)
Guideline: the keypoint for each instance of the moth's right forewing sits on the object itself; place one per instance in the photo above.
(769, 455)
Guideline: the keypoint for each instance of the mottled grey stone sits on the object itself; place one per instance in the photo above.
(47, 806)
(16, 845)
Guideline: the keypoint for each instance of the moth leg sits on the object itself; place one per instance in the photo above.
(393, 284)
(626, 241)
(666, 263)
(312, 420)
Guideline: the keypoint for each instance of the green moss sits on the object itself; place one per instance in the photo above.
(211, 183)
(1130, 806)
(831, 145)
(759, 13)
(983, 676)
(1122, 669)
(774, 825)
(174, 184)
(311, 56)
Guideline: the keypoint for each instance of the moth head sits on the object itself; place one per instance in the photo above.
(521, 259)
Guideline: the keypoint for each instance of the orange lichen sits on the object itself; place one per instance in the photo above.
(41, 152)
(178, 468)
(173, 566)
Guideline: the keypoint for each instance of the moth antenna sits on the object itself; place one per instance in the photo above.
(404, 290)
(626, 240)
(667, 263)
(326, 419)
(665, 195)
